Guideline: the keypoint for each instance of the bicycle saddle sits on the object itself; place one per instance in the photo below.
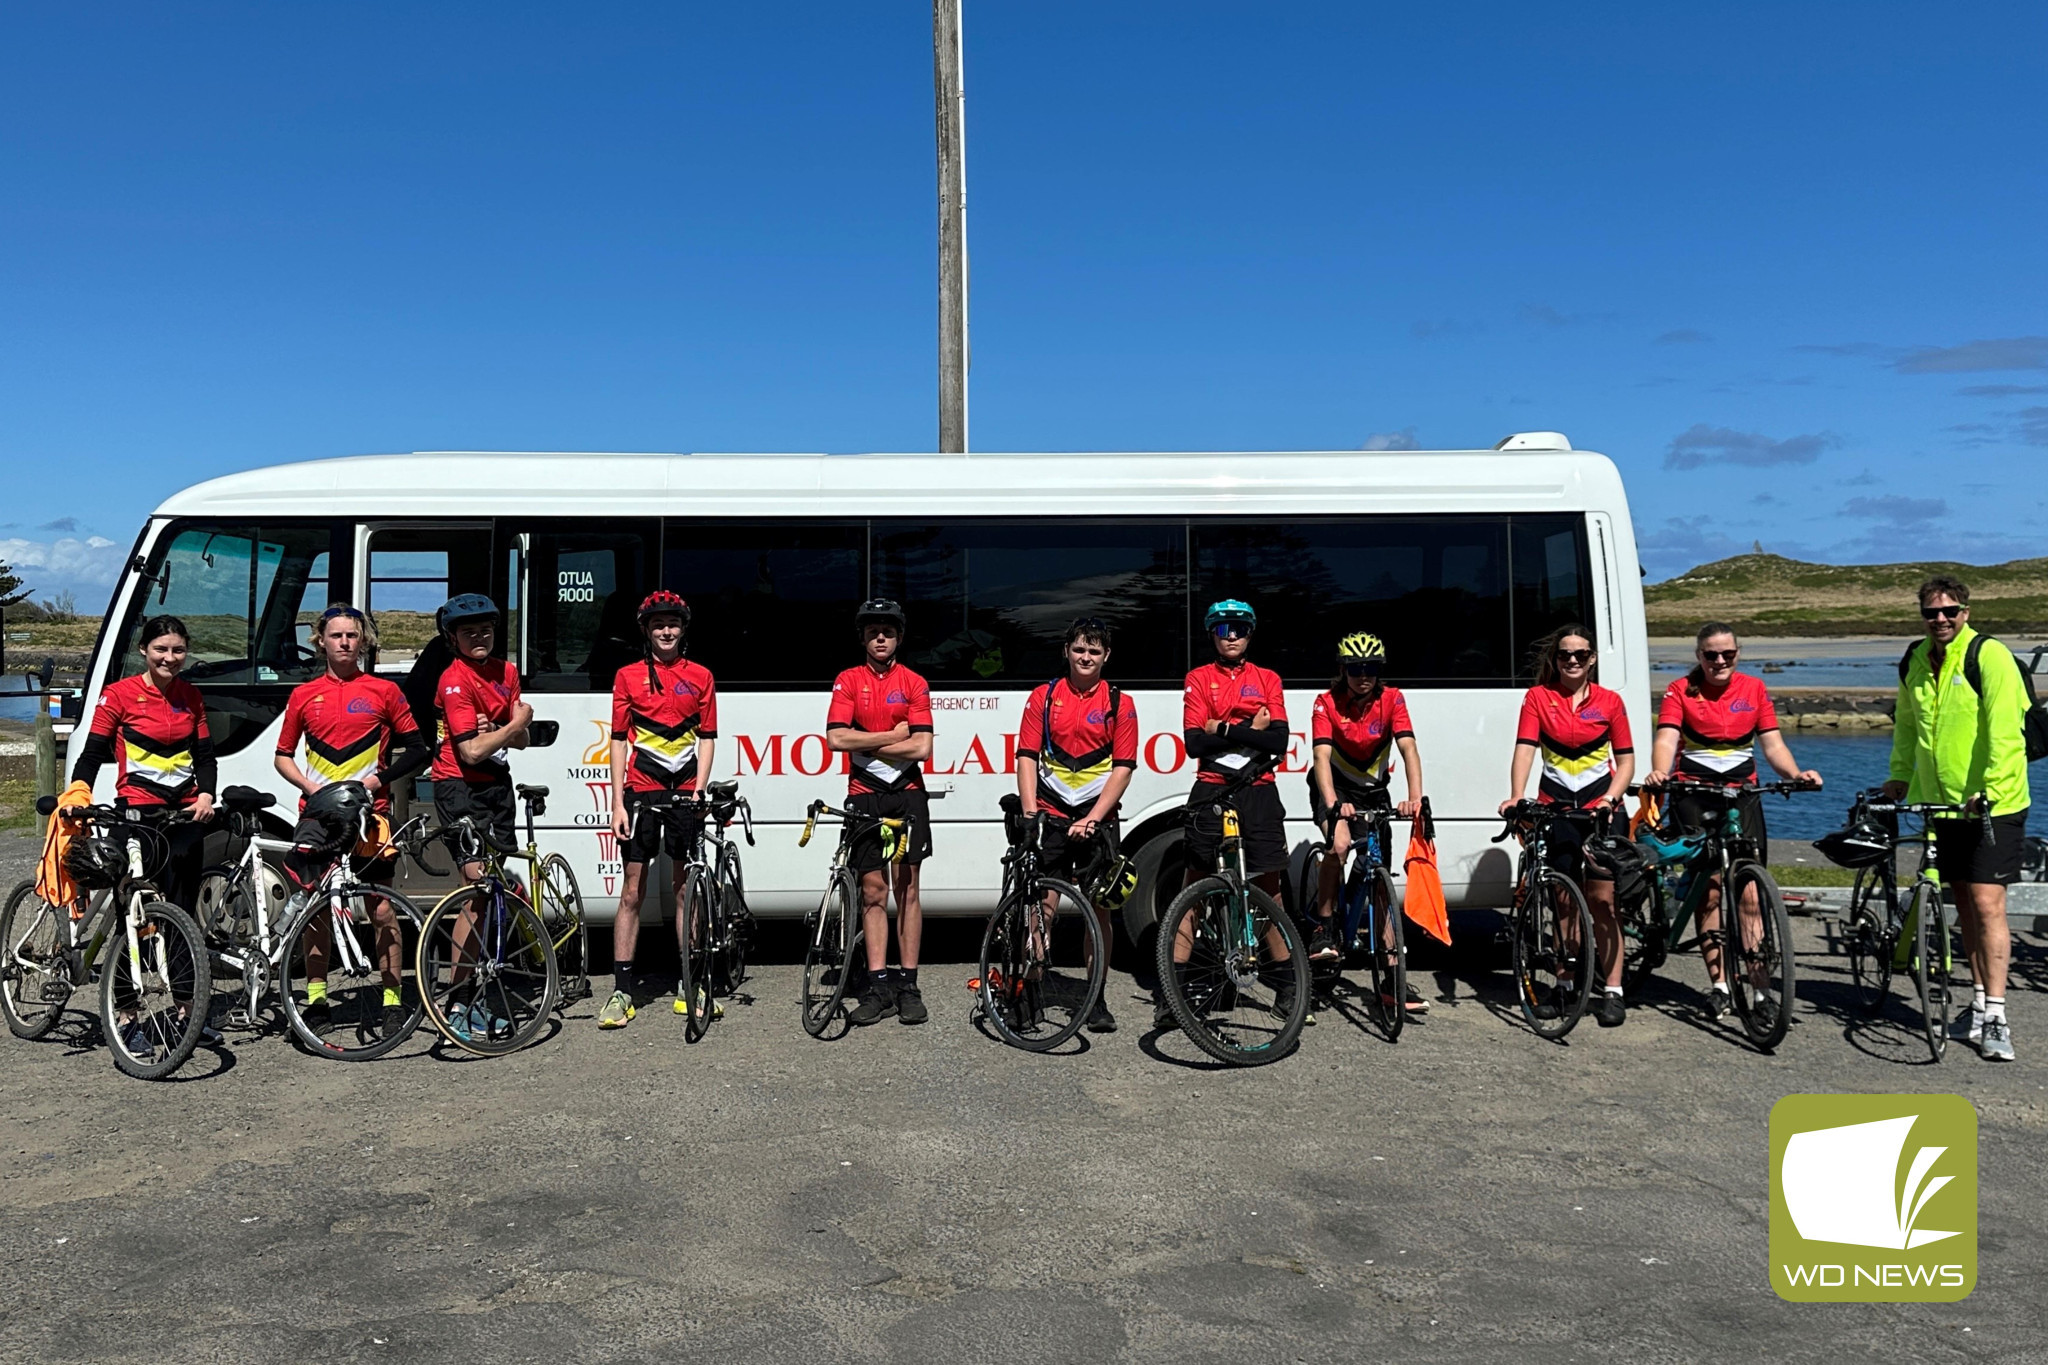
(525, 791)
(247, 799)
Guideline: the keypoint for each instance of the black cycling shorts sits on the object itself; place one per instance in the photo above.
(913, 805)
(1361, 798)
(675, 831)
(1070, 859)
(1961, 855)
(489, 804)
(1568, 852)
(1698, 810)
(1261, 825)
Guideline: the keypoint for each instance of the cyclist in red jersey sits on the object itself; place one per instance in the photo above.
(1579, 731)
(1076, 751)
(1233, 715)
(356, 727)
(1356, 728)
(664, 735)
(881, 715)
(481, 720)
(153, 724)
(1709, 726)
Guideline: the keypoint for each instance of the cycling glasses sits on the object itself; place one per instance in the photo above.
(1719, 656)
(349, 612)
(1946, 613)
(1574, 656)
(1232, 630)
(1362, 668)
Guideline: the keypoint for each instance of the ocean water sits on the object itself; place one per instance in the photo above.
(1849, 764)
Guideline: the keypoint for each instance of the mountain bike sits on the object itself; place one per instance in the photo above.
(1550, 924)
(833, 931)
(155, 981)
(486, 963)
(713, 919)
(1369, 918)
(260, 934)
(1026, 987)
(1919, 937)
(1685, 868)
(1232, 964)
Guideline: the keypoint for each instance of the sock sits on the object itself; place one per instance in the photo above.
(1994, 1008)
(1977, 1001)
(1614, 990)
(880, 976)
(392, 997)
(907, 976)
(316, 991)
(622, 977)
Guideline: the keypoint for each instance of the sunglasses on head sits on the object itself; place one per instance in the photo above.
(1946, 613)
(1362, 668)
(1231, 630)
(1574, 656)
(1719, 656)
(332, 612)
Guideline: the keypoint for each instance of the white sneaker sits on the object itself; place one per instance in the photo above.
(1976, 1031)
(1997, 1044)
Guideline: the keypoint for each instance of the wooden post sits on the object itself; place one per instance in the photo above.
(46, 755)
(952, 134)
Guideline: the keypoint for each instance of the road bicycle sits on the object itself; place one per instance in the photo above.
(1369, 918)
(714, 921)
(486, 963)
(1026, 987)
(260, 934)
(1918, 937)
(1232, 964)
(1752, 944)
(1550, 925)
(833, 931)
(148, 956)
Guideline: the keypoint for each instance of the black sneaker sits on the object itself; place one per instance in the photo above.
(1543, 1001)
(1163, 1018)
(1285, 998)
(877, 1003)
(1322, 945)
(317, 1017)
(1611, 1011)
(1100, 1020)
(910, 1005)
(1720, 1004)
(394, 1021)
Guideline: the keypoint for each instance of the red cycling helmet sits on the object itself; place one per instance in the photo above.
(662, 602)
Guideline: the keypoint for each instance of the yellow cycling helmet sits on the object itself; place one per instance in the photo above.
(1359, 645)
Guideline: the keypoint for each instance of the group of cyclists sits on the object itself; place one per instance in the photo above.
(1077, 750)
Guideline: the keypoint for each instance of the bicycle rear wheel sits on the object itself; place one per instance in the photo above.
(1932, 964)
(1759, 954)
(1389, 978)
(1235, 995)
(736, 932)
(561, 911)
(355, 982)
(1041, 975)
(1872, 935)
(486, 971)
(35, 980)
(828, 958)
(696, 927)
(154, 1000)
(1553, 953)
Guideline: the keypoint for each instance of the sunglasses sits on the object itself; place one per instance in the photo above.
(1946, 613)
(1232, 630)
(1719, 656)
(332, 612)
(1362, 668)
(1574, 656)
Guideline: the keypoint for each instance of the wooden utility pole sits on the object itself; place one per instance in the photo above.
(952, 130)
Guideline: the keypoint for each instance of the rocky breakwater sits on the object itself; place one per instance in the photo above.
(1834, 708)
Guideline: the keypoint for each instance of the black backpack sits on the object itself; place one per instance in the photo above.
(2034, 728)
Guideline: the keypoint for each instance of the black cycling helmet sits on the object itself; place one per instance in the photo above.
(662, 602)
(339, 808)
(96, 862)
(884, 610)
(466, 606)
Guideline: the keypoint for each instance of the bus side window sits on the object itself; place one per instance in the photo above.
(771, 602)
(579, 600)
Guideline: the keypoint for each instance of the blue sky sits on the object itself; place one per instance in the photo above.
(1783, 262)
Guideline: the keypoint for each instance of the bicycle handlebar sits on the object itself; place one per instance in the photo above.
(1688, 782)
(1525, 812)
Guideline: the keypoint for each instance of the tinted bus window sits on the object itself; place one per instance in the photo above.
(990, 601)
(1553, 578)
(771, 603)
(578, 604)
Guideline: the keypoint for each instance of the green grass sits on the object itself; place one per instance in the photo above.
(17, 803)
(1787, 874)
(1771, 595)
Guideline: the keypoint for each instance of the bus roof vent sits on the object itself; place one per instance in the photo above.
(1535, 440)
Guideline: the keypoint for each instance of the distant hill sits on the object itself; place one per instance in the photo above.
(1773, 595)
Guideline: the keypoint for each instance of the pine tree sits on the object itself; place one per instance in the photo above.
(11, 590)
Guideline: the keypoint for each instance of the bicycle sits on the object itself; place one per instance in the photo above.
(1550, 923)
(1369, 919)
(1757, 962)
(155, 980)
(1020, 990)
(714, 920)
(486, 963)
(260, 935)
(833, 931)
(1921, 938)
(1245, 956)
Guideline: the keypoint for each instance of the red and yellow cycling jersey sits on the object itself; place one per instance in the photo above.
(1360, 733)
(1577, 744)
(469, 694)
(348, 728)
(661, 711)
(158, 739)
(875, 703)
(1088, 735)
(1717, 731)
(1231, 694)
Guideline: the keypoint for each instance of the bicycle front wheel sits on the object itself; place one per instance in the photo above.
(1234, 971)
(1042, 969)
(1872, 933)
(828, 957)
(1932, 964)
(357, 1005)
(1758, 938)
(696, 926)
(486, 971)
(561, 911)
(34, 979)
(1553, 953)
(155, 992)
(1389, 959)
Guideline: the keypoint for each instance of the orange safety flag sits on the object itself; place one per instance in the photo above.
(1423, 901)
(54, 882)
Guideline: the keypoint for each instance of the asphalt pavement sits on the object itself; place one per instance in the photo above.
(929, 1195)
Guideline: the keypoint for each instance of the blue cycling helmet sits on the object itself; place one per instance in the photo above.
(1230, 609)
(466, 606)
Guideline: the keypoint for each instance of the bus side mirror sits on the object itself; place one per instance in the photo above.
(542, 733)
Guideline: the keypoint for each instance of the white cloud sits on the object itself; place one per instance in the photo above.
(67, 563)
(1404, 439)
